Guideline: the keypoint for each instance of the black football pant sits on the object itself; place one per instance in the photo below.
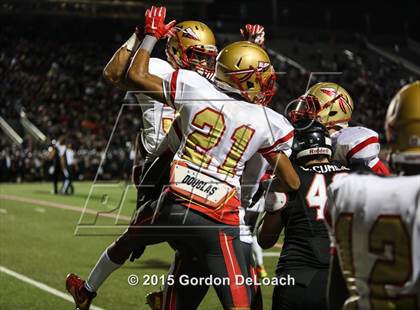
(302, 297)
(154, 177)
(215, 245)
(189, 297)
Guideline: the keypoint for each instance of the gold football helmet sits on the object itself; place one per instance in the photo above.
(328, 102)
(402, 125)
(244, 68)
(192, 47)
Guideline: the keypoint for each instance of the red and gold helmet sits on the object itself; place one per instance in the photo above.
(244, 68)
(327, 102)
(193, 47)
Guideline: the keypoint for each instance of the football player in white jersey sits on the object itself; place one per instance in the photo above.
(374, 222)
(332, 105)
(219, 137)
(255, 168)
(190, 46)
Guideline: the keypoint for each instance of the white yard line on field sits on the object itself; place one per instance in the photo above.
(271, 254)
(41, 286)
(56, 205)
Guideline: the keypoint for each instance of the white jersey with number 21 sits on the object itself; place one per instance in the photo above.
(222, 133)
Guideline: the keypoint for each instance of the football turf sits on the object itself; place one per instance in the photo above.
(39, 241)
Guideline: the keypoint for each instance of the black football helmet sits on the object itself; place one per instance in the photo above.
(311, 139)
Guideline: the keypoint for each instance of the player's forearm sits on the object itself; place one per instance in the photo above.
(138, 75)
(269, 230)
(116, 69)
(138, 70)
(288, 180)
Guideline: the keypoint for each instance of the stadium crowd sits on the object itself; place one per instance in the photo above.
(60, 87)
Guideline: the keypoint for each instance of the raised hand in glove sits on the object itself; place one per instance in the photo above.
(254, 33)
(155, 23)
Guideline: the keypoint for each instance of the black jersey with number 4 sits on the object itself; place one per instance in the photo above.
(306, 242)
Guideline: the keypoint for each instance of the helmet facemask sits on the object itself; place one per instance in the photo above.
(264, 77)
(200, 58)
(309, 107)
(305, 107)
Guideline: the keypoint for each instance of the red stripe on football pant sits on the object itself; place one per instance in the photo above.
(172, 288)
(253, 276)
(238, 292)
(361, 145)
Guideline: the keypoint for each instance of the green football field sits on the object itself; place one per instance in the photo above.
(43, 237)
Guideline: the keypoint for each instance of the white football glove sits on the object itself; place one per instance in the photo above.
(254, 33)
(275, 201)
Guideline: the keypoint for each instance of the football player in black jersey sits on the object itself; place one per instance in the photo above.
(305, 254)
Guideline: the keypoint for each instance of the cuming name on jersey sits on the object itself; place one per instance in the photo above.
(325, 168)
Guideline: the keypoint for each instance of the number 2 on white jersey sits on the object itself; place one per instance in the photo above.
(317, 195)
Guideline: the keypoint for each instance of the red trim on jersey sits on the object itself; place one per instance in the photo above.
(239, 292)
(381, 169)
(174, 79)
(361, 145)
(267, 150)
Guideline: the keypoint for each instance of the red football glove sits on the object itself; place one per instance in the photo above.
(154, 24)
(254, 33)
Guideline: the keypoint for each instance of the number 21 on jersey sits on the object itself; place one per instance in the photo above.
(198, 144)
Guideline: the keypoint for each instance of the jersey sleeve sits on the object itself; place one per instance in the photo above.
(185, 86)
(160, 68)
(175, 87)
(356, 144)
(379, 167)
(279, 137)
